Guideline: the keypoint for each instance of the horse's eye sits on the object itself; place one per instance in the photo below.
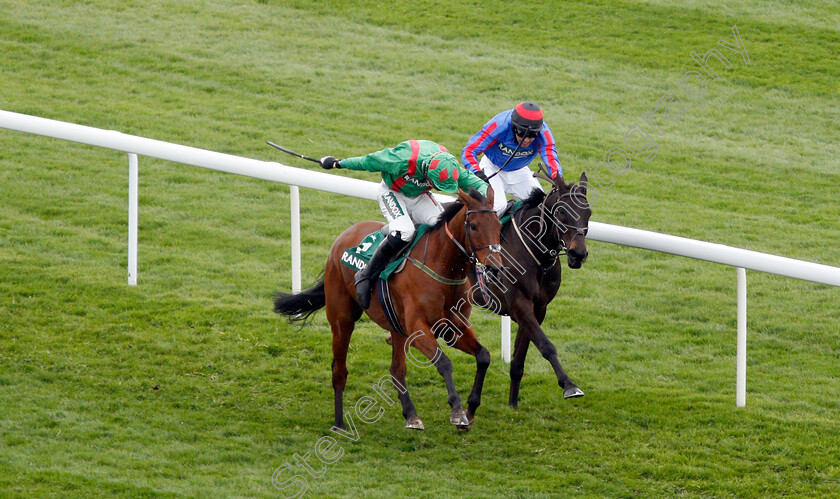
(473, 227)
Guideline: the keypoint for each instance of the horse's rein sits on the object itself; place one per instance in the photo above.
(527, 248)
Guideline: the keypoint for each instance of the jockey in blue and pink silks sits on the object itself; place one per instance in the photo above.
(522, 130)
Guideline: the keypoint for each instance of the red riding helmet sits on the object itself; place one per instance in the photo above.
(527, 119)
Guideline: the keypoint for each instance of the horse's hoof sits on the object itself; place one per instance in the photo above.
(573, 392)
(414, 424)
(459, 418)
(470, 419)
(388, 339)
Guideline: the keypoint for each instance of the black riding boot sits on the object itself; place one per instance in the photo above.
(383, 254)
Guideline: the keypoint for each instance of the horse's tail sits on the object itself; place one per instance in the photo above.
(298, 307)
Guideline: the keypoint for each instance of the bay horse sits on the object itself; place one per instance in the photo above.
(533, 240)
(428, 297)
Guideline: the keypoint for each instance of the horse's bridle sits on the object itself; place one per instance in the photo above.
(471, 255)
(553, 254)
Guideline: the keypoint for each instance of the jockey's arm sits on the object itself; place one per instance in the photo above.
(392, 160)
(478, 143)
(468, 180)
(548, 152)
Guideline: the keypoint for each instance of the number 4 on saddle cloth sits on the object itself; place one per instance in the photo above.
(357, 257)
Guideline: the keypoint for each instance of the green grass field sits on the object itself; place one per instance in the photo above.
(187, 385)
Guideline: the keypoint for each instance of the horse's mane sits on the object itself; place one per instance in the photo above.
(534, 199)
(452, 209)
(537, 196)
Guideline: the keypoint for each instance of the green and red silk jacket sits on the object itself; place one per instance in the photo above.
(403, 168)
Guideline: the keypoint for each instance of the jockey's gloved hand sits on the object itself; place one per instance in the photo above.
(329, 162)
(480, 174)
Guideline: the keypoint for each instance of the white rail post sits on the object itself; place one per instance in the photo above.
(132, 219)
(741, 350)
(506, 338)
(296, 272)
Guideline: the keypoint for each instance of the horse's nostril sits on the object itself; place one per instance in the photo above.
(495, 261)
(577, 257)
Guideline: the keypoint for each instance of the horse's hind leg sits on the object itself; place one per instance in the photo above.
(468, 343)
(342, 313)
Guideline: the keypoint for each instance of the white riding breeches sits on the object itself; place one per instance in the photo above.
(520, 183)
(402, 212)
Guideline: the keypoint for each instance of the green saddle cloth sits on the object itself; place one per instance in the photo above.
(511, 211)
(357, 257)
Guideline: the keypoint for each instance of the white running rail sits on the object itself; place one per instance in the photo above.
(135, 146)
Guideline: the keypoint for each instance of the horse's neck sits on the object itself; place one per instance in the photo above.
(549, 234)
(447, 259)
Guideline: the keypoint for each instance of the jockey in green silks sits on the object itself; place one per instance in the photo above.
(409, 172)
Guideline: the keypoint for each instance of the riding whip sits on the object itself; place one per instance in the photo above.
(518, 144)
(272, 144)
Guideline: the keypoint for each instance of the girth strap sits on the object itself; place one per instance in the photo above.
(439, 278)
(388, 306)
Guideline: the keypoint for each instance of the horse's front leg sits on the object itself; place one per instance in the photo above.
(523, 313)
(517, 364)
(468, 343)
(398, 371)
(424, 340)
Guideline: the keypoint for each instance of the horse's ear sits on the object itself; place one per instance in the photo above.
(490, 195)
(561, 184)
(463, 196)
(583, 183)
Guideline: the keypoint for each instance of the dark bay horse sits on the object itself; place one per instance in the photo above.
(429, 297)
(533, 241)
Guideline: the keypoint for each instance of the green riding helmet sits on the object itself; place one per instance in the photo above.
(442, 171)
